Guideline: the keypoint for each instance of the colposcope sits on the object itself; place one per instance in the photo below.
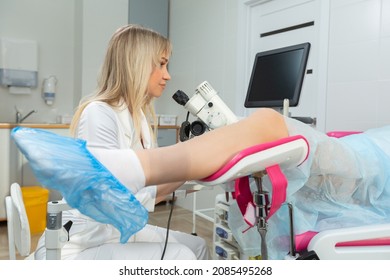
(209, 109)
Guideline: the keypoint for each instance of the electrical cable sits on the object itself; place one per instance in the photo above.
(183, 134)
(168, 224)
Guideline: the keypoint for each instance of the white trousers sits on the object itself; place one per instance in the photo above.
(92, 240)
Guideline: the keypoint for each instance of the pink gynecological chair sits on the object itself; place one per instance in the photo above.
(270, 159)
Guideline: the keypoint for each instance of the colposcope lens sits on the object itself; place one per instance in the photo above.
(198, 128)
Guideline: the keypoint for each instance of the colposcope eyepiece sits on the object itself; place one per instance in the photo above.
(180, 97)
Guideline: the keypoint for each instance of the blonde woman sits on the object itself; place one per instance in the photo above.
(117, 116)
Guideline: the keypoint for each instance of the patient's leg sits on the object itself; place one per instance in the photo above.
(201, 156)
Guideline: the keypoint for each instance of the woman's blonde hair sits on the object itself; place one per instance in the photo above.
(131, 56)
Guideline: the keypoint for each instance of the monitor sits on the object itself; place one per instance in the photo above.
(277, 75)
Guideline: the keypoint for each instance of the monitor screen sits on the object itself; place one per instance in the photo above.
(277, 75)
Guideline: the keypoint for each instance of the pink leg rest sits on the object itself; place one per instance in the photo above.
(339, 134)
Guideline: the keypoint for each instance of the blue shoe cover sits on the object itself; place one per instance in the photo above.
(66, 165)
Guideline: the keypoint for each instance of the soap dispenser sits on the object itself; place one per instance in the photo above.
(49, 90)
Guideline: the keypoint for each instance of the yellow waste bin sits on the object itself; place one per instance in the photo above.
(35, 200)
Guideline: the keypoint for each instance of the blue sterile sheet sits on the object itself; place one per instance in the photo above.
(345, 182)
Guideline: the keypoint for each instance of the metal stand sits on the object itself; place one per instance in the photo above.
(261, 201)
(56, 235)
(293, 252)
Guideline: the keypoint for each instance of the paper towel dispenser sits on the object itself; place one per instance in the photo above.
(18, 63)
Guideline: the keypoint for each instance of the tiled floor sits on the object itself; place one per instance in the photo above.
(181, 220)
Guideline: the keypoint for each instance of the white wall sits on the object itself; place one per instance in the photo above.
(204, 37)
(72, 36)
(51, 24)
(100, 20)
(358, 91)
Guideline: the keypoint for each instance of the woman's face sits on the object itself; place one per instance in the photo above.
(159, 77)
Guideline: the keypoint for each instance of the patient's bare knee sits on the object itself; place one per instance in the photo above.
(269, 123)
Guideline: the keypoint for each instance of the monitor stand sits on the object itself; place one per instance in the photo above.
(285, 112)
